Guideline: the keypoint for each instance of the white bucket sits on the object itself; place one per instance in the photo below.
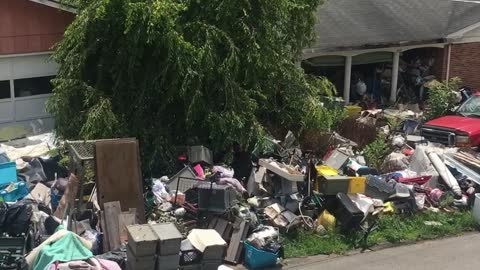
(476, 208)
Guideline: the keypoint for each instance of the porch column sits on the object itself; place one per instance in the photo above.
(347, 79)
(396, 63)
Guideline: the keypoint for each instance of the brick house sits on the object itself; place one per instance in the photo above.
(28, 30)
(363, 37)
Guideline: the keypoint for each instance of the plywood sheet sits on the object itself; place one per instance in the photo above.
(118, 174)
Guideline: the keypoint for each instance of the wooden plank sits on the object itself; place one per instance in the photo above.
(235, 247)
(118, 175)
(125, 219)
(106, 245)
(112, 211)
(221, 226)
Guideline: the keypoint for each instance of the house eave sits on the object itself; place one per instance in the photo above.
(55, 4)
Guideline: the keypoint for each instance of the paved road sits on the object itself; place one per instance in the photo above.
(451, 253)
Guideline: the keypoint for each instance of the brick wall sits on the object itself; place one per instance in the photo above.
(27, 27)
(465, 63)
(439, 68)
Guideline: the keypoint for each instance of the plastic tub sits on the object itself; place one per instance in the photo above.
(353, 110)
(8, 173)
(357, 185)
(256, 258)
(476, 208)
(325, 170)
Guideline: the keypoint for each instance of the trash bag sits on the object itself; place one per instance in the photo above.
(3, 215)
(17, 220)
(33, 173)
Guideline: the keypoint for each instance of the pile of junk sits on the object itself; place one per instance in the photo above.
(101, 214)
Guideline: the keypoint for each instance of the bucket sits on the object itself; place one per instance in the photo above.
(476, 208)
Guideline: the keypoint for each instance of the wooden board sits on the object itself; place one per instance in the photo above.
(103, 224)
(118, 174)
(235, 247)
(125, 219)
(112, 212)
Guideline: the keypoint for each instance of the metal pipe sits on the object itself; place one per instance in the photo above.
(347, 79)
(444, 172)
(395, 70)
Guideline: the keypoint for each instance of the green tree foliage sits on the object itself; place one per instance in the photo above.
(176, 72)
(442, 97)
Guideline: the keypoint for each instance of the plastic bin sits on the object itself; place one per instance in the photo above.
(8, 173)
(353, 110)
(357, 185)
(256, 258)
(331, 185)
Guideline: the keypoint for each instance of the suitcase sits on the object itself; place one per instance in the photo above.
(348, 215)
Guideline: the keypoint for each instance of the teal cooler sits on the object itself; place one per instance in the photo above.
(256, 258)
(8, 173)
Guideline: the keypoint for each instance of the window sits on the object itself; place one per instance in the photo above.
(4, 89)
(33, 86)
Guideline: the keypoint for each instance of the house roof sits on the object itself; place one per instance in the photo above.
(357, 24)
(55, 4)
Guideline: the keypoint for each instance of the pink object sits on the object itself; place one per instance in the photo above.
(199, 171)
(436, 194)
(417, 180)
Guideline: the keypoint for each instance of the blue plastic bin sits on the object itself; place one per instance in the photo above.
(256, 258)
(8, 173)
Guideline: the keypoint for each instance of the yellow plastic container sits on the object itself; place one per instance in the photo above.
(357, 185)
(327, 220)
(353, 110)
(323, 170)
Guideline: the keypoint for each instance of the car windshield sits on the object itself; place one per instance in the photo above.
(470, 107)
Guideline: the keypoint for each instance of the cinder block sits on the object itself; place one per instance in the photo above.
(169, 262)
(169, 239)
(142, 240)
(140, 263)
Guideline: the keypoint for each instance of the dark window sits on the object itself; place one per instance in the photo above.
(33, 86)
(4, 89)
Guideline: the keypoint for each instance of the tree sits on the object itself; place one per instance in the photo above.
(176, 72)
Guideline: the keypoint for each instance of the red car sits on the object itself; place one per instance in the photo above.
(461, 129)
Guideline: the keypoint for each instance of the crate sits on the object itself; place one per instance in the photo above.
(189, 255)
(169, 239)
(8, 173)
(215, 198)
(331, 185)
(357, 185)
(259, 259)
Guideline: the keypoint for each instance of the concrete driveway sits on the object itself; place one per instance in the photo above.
(450, 253)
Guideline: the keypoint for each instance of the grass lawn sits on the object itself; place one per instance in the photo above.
(391, 228)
